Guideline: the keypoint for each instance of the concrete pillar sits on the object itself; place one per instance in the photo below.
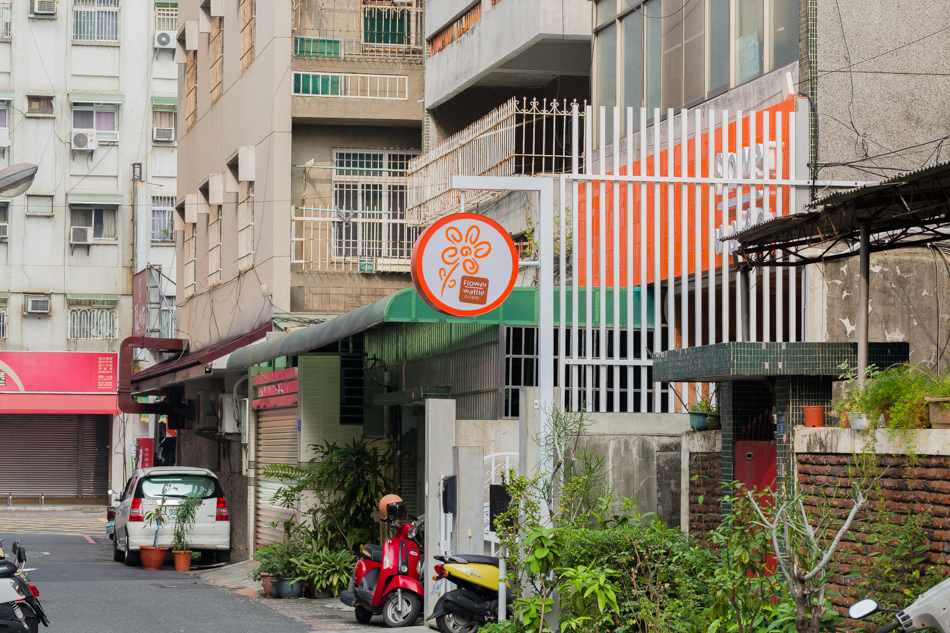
(440, 440)
(469, 467)
(528, 454)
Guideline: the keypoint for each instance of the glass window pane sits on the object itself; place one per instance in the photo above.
(785, 34)
(718, 45)
(749, 29)
(105, 120)
(84, 119)
(633, 64)
(606, 76)
(3, 116)
(605, 10)
(694, 51)
(652, 55)
(671, 82)
(178, 486)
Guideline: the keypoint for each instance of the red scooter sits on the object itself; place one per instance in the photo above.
(387, 579)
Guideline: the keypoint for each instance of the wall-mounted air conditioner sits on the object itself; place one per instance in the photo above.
(165, 39)
(4, 230)
(85, 140)
(80, 235)
(44, 7)
(163, 134)
(37, 305)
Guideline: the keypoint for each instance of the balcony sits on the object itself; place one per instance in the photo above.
(378, 30)
(504, 43)
(328, 240)
(516, 139)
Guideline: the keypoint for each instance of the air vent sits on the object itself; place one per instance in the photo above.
(37, 305)
(163, 134)
(4, 230)
(44, 7)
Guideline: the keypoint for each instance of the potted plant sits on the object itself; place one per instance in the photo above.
(327, 571)
(153, 556)
(276, 563)
(185, 515)
(896, 397)
(704, 412)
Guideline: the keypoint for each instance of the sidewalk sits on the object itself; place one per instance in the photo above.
(327, 614)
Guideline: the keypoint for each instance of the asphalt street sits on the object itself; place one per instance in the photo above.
(84, 591)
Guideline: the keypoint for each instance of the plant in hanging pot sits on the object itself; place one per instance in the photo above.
(185, 514)
(153, 556)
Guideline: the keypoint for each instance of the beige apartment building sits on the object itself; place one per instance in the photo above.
(297, 122)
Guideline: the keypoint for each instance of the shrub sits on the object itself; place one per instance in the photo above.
(327, 570)
(277, 559)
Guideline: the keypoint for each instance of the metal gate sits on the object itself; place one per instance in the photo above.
(65, 456)
(276, 443)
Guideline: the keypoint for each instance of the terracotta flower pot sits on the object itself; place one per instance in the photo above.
(814, 416)
(153, 557)
(266, 584)
(182, 560)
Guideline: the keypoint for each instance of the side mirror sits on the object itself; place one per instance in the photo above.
(19, 552)
(862, 609)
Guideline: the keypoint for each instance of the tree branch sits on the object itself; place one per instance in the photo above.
(859, 502)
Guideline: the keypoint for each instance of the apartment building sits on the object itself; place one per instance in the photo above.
(87, 93)
(299, 119)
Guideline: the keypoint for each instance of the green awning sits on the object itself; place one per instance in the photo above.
(95, 198)
(406, 306)
(165, 103)
(90, 97)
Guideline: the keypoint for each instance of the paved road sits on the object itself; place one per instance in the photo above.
(84, 591)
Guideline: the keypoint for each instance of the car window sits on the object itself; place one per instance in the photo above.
(178, 486)
(129, 487)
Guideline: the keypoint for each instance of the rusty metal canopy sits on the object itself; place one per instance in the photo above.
(911, 209)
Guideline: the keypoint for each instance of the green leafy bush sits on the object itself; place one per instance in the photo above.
(277, 559)
(328, 570)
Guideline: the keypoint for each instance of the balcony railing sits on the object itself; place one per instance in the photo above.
(327, 240)
(516, 139)
(339, 29)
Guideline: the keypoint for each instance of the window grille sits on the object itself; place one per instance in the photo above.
(163, 218)
(190, 248)
(3, 323)
(246, 226)
(351, 85)
(96, 20)
(216, 55)
(248, 18)
(214, 246)
(191, 88)
(93, 323)
(166, 19)
(6, 20)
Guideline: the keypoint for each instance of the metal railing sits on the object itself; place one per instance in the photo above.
(516, 139)
(380, 29)
(93, 323)
(351, 85)
(351, 241)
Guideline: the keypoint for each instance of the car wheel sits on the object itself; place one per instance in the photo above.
(131, 558)
(456, 623)
(116, 554)
(363, 616)
(402, 608)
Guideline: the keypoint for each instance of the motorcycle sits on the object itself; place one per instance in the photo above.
(20, 608)
(387, 579)
(930, 610)
(475, 601)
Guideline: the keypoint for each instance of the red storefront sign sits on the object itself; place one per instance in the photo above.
(276, 389)
(58, 382)
(144, 452)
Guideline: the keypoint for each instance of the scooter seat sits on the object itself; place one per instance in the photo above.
(7, 569)
(373, 553)
(466, 559)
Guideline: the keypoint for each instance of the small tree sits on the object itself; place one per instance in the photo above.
(185, 515)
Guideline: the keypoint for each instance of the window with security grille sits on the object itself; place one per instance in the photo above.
(6, 20)
(191, 88)
(96, 20)
(164, 123)
(246, 226)
(386, 25)
(369, 200)
(3, 323)
(163, 218)
(102, 120)
(191, 255)
(248, 36)
(214, 246)
(102, 220)
(93, 323)
(166, 16)
(216, 57)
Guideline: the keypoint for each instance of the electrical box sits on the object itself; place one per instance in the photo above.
(227, 421)
(449, 495)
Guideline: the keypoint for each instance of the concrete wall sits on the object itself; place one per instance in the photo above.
(877, 88)
(905, 292)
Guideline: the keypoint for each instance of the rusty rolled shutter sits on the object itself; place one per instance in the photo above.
(277, 440)
(39, 454)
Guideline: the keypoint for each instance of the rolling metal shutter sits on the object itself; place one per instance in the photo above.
(64, 456)
(277, 443)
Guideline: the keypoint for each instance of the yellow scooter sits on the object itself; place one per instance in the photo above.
(475, 600)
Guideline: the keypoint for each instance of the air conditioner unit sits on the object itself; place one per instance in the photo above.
(44, 7)
(163, 134)
(37, 305)
(165, 39)
(227, 421)
(85, 141)
(80, 235)
(4, 230)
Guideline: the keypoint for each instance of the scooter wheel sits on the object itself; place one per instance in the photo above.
(402, 612)
(363, 616)
(456, 623)
(33, 623)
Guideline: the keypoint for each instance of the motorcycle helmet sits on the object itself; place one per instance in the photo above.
(385, 502)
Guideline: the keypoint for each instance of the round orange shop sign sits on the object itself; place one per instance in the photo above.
(464, 265)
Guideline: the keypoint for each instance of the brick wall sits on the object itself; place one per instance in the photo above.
(920, 487)
(705, 480)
